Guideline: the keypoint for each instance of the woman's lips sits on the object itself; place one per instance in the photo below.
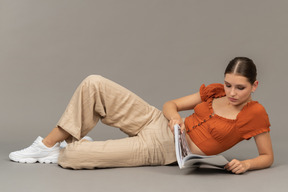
(232, 99)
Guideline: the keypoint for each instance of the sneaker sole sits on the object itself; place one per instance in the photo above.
(46, 160)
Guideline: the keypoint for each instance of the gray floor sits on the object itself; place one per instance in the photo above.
(50, 177)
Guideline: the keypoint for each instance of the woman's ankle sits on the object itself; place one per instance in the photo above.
(48, 143)
(56, 135)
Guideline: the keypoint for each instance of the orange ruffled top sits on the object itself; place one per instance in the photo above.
(214, 134)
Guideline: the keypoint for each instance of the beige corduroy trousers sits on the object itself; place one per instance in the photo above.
(150, 140)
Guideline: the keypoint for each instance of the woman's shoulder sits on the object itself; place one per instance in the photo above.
(254, 107)
(211, 91)
(253, 111)
(253, 120)
(213, 86)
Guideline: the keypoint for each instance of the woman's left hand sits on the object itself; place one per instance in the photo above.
(236, 166)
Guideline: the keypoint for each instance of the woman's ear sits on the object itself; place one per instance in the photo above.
(255, 85)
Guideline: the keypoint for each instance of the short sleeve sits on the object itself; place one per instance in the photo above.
(256, 121)
(211, 91)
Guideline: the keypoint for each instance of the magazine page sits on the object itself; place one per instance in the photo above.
(181, 146)
(186, 158)
(196, 161)
(180, 154)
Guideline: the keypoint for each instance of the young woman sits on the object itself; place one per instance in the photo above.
(223, 116)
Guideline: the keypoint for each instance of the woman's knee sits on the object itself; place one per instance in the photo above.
(93, 79)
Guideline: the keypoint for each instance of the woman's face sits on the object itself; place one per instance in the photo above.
(238, 89)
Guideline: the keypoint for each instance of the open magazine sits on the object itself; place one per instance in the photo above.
(186, 158)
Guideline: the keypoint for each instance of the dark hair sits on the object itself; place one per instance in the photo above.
(242, 66)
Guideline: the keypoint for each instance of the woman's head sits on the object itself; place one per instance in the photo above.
(240, 80)
(242, 66)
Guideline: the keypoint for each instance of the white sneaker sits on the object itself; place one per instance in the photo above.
(37, 152)
(63, 144)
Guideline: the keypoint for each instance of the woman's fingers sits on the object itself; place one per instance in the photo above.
(174, 122)
(236, 166)
(182, 127)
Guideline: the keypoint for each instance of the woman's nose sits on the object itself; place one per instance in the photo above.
(232, 92)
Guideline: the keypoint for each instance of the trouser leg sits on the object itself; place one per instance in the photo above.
(98, 98)
(153, 145)
(131, 151)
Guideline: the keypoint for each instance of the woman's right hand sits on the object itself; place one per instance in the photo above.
(171, 109)
(178, 121)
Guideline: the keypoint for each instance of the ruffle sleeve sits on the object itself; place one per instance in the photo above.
(211, 91)
(254, 121)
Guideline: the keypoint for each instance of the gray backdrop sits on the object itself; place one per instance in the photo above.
(159, 49)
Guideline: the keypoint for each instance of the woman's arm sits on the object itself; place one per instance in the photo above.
(264, 160)
(171, 108)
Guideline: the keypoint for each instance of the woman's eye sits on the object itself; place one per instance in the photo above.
(241, 88)
(228, 85)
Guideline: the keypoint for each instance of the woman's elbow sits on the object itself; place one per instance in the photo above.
(168, 104)
(271, 160)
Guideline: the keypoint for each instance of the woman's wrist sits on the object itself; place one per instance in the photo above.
(247, 164)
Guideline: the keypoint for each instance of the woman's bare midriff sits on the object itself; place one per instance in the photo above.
(193, 148)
